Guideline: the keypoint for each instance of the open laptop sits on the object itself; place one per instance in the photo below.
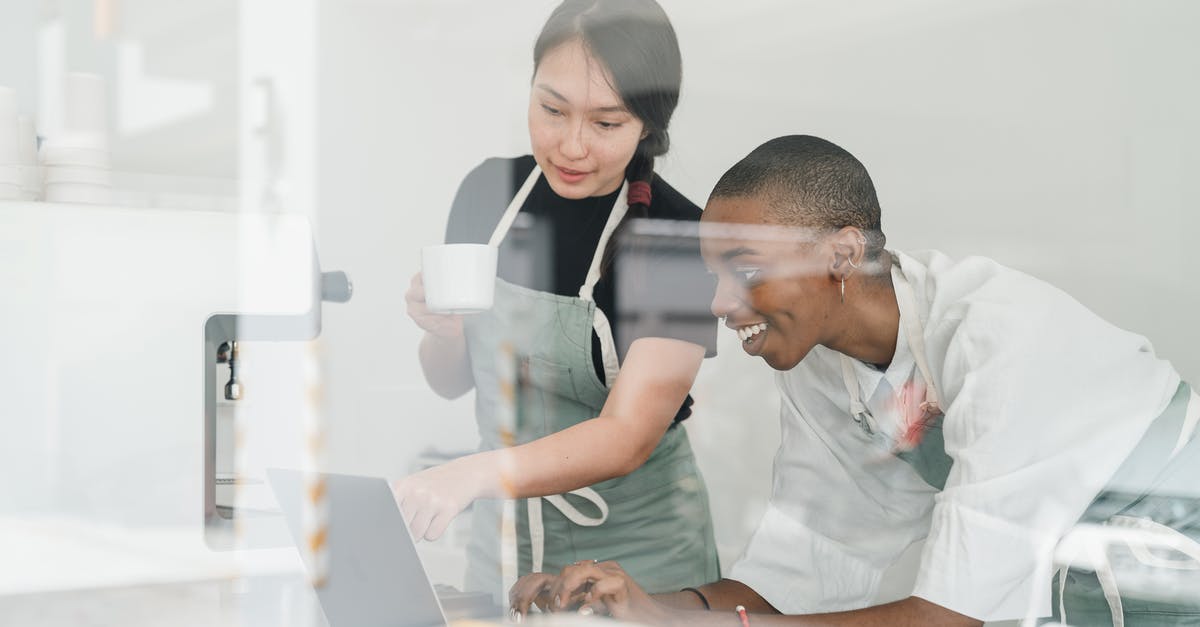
(375, 576)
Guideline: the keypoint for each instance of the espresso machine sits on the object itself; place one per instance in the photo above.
(156, 363)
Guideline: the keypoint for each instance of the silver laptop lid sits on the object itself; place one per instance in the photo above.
(375, 576)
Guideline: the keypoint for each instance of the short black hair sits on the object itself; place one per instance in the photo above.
(810, 182)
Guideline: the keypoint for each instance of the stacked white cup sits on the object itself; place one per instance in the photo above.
(27, 156)
(77, 160)
(10, 168)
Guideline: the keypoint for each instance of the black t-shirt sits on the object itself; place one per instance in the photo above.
(656, 285)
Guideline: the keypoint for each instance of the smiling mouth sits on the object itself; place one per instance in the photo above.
(569, 171)
(748, 333)
(753, 337)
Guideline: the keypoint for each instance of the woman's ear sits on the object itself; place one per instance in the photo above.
(849, 249)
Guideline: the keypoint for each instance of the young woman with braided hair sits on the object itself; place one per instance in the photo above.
(598, 461)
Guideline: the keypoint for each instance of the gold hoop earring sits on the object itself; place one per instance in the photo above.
(843, 290)
(852, 264)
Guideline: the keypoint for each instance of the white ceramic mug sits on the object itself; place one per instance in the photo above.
(459, 278)
(8, 127)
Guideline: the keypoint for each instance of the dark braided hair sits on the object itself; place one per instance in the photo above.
(636, 43)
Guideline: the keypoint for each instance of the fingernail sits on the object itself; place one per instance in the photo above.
(587, 610)
(520, 618)
(557, 601)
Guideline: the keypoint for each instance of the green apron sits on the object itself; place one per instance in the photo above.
(1144, 493)
(1154, 496)
(531, 357)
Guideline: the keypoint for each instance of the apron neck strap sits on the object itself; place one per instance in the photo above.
(514, 207)
(620, 207)
(910, 317)
(914, 332)
(858, 410)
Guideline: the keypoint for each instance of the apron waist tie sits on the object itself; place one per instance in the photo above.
(1164, 538)
(537, 532)
(1190, 421)
(1098, 556)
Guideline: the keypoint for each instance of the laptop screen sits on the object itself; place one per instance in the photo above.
(375, 577)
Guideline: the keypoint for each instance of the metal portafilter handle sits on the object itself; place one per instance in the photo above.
(227, 353)
(335, 287)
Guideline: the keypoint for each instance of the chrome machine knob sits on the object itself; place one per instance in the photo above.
(336, 287)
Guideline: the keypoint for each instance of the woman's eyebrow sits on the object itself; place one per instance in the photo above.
(737, 252)
(550, 90)
(610, 109)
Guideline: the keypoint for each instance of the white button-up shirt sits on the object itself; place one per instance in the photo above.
(1043, 400)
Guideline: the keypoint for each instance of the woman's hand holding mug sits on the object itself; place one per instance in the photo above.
(447, 326)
